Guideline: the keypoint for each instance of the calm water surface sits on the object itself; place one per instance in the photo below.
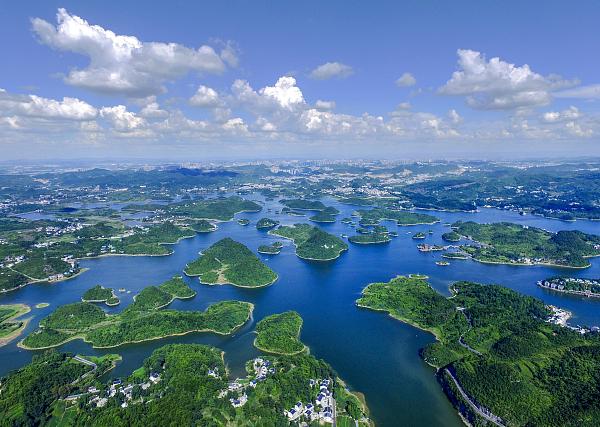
(372, 352)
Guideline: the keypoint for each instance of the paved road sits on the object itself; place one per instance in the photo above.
(494, 419)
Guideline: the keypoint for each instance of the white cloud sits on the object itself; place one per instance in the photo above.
(121, 119)
(36, 106)
(499, 85)
(285, 92)
(124, 64)
(205, 97)
(404, 106)
(324, 105)
(153, 111)
(330, 70)
(405, 80)
(555, 116)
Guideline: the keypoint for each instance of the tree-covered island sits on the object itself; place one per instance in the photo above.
(230, 262)
(376, 215)
(280, 334)
(145, 319)
(266, 223)
(508, 243)
(312, 243)
(101, 294)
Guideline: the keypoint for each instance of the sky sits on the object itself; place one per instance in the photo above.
(196, 81)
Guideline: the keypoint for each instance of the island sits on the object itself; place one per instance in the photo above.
(10, 328)
(145, 319)
(42, 305)
(272, 249)
(508, 243)
(312, 243)
(221, 209)
(243, 221)
(280, 334)
(230, 262)
(322, 217)
(181, 384)
(376, 215)
(325, 214)
(370, 238)
(572, 285)
(502, 357)
(451, 236)
(101, 294)
(419, 235)
(266, 223)
(203, 226)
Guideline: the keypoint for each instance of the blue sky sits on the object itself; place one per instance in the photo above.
(416, 79)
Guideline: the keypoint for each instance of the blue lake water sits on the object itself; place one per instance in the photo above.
(375, 354)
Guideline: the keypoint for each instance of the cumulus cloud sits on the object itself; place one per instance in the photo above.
(499, 85)
(405, 80)
(124, 64)
(330, 70)
(36, 106)
(121, 119)
(205, 97)
(454, 116)
(153, 111)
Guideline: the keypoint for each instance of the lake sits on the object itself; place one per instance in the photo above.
(373, 353)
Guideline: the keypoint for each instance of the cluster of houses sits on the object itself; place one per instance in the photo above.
(117, 388)
(580, 286)
(262, 369)
(323, 408)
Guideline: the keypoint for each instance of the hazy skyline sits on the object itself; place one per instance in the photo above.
(213, 80)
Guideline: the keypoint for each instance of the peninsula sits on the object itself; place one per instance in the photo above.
(280, 333)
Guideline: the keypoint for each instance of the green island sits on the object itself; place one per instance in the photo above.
(280, 334)
(272, 249)
(501, 356)
(451, 236)
(312, 243)
(508, 243)
(243, 221)
(572, 285)
(419, 235)
(325, 214)
(179, 384)
(42, 305)
(222, 209)
(376, 215)
(101, 294)
(230, 262)
(266, 223)
(51, 377)
(322, 217)
(143, 320)
(10, 328)
(370, 238)
(203, 226)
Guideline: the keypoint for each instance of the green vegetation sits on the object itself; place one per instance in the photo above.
(501, 350)
(222, 209)
(375, 215)
(230, 262)
(302, 204)
(100, 294)
(311, 242)
(203, 226)
(419, 235)
(451, 236)
(143, 320)
(455, 255)
(186, 394)
(279, 334)
(178, 288)
(42, 305)
(266, 223)
(508, 243)
(370, 238)
(243, 221)
(272, 249)
(9, 327)
(322, 217)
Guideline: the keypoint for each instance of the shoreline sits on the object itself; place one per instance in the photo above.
(23, 309)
